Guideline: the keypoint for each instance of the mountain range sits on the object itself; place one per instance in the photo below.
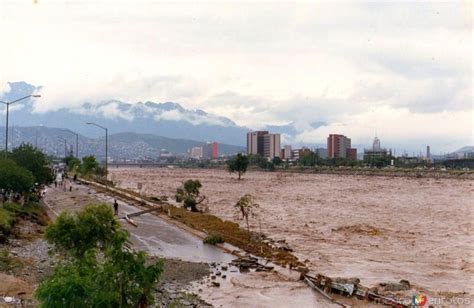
(167, 119)
(121, 145)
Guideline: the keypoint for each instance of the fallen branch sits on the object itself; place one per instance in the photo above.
(144, 212)
(130, 221)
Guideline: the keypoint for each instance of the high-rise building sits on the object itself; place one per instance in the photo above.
(351, 153)
(264, 144)
(376, 151)
(428, 152)
(271, 146)
(287, 153)
(376, 144)
(210, 150)
(255, 142)
(340, 146)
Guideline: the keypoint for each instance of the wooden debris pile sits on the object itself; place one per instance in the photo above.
(279, 244)
(248, 263)
(352, 287)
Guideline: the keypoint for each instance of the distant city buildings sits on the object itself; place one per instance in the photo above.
(264, 144)
(287, 152)
(207, 151)
(196, 152)
(339, 146)
(376, 152)
(165, 153)
(351, 153)
(210, 150)
(322, 152)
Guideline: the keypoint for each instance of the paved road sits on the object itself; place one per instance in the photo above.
(152, 235)
(160, 238)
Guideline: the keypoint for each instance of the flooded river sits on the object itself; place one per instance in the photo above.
(375, 228)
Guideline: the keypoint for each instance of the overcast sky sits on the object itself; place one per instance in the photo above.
(402, 69)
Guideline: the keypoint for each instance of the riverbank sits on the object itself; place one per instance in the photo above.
(388, 172)
(159, 237)
(25, 257)
(24, 261)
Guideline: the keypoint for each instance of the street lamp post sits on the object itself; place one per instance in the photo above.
(6, 124)
(65, 146)
(77, 142)
(106, 147)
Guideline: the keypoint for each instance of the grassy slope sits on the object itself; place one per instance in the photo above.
(10, 212)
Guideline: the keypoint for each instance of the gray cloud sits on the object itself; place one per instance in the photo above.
(256, 63)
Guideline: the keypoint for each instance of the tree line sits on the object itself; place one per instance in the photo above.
(22, 171)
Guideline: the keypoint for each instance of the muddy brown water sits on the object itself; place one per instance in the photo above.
(375, 228)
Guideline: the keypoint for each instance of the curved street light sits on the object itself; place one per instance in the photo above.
(6, 125)
(106, 147)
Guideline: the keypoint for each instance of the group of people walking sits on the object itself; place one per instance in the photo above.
(62, 181)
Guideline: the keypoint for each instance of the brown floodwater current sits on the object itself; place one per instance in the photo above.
(375, 228)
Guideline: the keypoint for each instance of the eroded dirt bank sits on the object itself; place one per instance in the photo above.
(375, 228)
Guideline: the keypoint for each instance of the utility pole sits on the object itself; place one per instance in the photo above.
(65, 146)
(106, 147)
(8, 108)
(77, 142)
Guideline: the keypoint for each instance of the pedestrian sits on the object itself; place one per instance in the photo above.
(55, 184)
(115, 207)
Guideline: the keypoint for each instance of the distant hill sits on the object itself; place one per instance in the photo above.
(466, 149)
(121, 146)
(463, 152)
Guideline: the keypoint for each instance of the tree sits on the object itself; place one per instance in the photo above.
(246, 205)
(100, 269)
(309, 158)
(33, 160)
(72, 162)
(15, 178)
(238, 164)
(277, 161)
(89, 165)
(189, 194)
(262, 162)
(92, 228)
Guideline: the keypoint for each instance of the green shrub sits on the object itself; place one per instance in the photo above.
(15, 178)
(8, 263)
(32, 211)
(100, 269)
(33, 160)
(213, 239)
(6, 221)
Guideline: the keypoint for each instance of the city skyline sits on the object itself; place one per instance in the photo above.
(352, 68)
